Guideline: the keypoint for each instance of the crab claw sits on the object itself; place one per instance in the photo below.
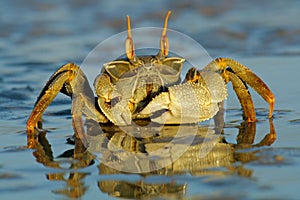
(121, 114)
(185, 103)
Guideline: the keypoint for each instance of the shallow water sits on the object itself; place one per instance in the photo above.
(38, 37)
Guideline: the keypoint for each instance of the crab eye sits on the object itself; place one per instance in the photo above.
(164, 45)
(129, 47)
(164, 41)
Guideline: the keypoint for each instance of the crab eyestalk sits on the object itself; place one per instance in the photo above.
(129, 46)
(164, 41)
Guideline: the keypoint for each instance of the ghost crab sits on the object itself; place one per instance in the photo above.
(140, 87)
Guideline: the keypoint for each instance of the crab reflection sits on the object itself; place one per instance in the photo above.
(220, 160)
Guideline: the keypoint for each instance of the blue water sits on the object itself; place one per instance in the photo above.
(38, 37)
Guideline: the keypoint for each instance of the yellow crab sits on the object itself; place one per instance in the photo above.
(149, 87)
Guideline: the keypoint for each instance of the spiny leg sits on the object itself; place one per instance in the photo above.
(247, 76)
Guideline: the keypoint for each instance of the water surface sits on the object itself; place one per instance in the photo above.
(38, 37)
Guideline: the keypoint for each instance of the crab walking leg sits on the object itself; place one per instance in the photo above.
(83, 105)
(49, 92)
(69, 79)
(247, 76)
(219, 119)
(244, 97)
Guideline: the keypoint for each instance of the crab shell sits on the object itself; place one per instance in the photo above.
(154, 89)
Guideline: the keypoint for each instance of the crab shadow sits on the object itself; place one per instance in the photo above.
(118, 150)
